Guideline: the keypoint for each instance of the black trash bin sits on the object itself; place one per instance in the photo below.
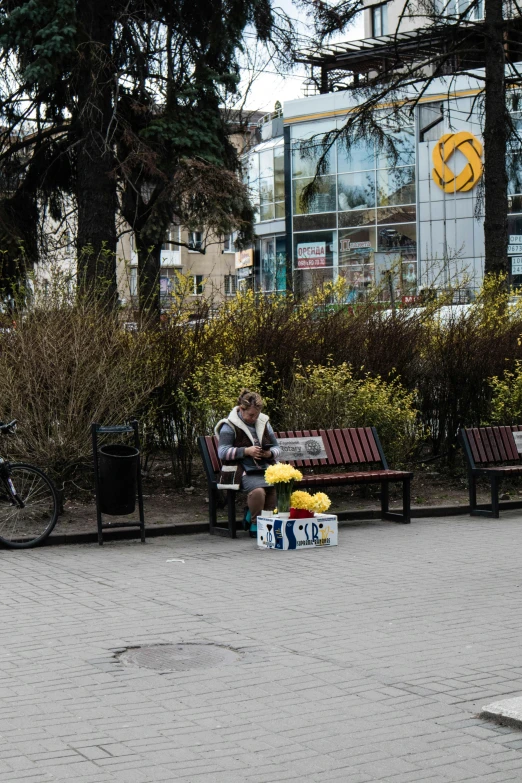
(118, 474)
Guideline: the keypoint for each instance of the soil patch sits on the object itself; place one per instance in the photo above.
(165, 504)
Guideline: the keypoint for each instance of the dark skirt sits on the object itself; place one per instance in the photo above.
(250, 481)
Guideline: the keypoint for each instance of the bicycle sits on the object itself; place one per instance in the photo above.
(28, 502)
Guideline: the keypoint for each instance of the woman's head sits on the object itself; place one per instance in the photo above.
(250, 405)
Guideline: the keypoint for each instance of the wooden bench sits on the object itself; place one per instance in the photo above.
(486, 449)
(357, 451)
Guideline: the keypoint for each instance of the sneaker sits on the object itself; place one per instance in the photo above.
(253, 531)
(246, 519)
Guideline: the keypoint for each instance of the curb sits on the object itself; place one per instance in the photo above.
(418, 512)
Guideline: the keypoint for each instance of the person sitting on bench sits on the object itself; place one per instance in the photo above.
(247, 446)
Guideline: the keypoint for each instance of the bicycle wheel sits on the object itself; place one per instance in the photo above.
(23, 527)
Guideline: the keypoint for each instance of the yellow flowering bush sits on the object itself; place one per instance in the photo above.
(301, 500)
(282, 474)
(320, 503)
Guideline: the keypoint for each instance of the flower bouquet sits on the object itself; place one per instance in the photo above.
(282, 477)
(304, 505)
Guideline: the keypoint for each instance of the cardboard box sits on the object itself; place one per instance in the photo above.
(276, 533)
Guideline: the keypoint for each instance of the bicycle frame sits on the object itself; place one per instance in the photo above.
(5, 476)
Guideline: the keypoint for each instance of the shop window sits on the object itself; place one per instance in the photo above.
(280, 209)
(399, 149)
(357, 247)
(360, 156)
(379, 20)
(322, 201)
(396, 186)
(357, 217)
(315, 222)
(230, 285)
(397, 239)
(195, 240)
(393, 214)
(273, 264)
(356, 191)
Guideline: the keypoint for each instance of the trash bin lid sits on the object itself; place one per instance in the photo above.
(119, 450)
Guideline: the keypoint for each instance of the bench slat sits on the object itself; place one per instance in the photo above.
(473, 445)
(509, 441)
(364, 443)
(345, 453)
(331, 447)
(352, 434)
(481, 452)
(504, 456)
(489, 434)
(307, 462)
(373, 446)
(210, 440)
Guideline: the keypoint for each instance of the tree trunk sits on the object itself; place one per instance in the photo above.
(149, 258)
(495, 142)
(96, 184)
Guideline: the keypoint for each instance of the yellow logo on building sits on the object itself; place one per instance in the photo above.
(471, 148)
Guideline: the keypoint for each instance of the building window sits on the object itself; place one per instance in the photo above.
(172, 239)
(264, 177)
(198, 285)
(228, 243)
(133, 281)
(230, 285)
(430, 117)
(379, 20)
(195, 240)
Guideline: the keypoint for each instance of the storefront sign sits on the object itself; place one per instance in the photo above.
(246, 271)
(311, 256)
(515, 239)
(514, 250)
(516, 265)
(302, 448)
(347, 245)
(244, 258)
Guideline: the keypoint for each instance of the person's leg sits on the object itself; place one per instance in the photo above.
(256, 503)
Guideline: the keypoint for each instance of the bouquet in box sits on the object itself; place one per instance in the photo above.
(282, 476)
(303, 504)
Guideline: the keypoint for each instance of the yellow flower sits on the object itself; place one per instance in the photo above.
(320, 503)
(300, 499)
(281, 473)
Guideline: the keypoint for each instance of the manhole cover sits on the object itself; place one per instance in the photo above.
(178, 657)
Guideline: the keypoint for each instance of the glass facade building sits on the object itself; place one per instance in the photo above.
(360, 222)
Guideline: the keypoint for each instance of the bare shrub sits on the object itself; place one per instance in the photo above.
(64, 367)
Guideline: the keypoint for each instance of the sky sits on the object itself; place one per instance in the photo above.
(270, 86)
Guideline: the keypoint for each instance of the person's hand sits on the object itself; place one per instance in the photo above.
(254, 451)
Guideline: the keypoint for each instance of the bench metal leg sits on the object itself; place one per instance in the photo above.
(494, 511)
(385, 498)
(212, 511)
(405, 517)
(231, 503)
(472, 484)
(495, 485)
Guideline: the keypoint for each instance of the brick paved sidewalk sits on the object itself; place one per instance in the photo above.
(364, 663)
